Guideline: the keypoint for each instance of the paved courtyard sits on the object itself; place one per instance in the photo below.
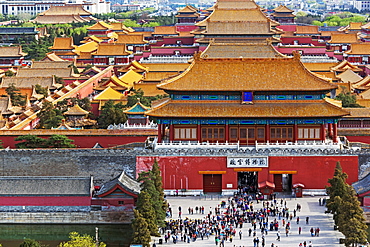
(310, 208)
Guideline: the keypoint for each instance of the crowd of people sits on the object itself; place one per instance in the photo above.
(224, 223)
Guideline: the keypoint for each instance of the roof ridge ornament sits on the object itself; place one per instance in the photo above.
(197, 56)
(296, 55)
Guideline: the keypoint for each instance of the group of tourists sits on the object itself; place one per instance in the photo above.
(225, 222)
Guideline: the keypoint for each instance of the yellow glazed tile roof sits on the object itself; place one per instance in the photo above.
(131, 39)
(259, 109)
(109, 94)
(344, 65)
(283, 8)
(349, 76)
(165, 30)
(167, 67)
(131, 77)
(112, 49)
(240, 50)
(345, 38)
(61, 19)
(134, 65)
(66, 10)
(101, 25)
(366, 26)
(12, 51)
(63, 43)
(355, 25)
(188, 9)
(307, 30)
(363, 84)
(28, 82)
(87, 47)
(51, 64)
(235, 4)
(51, 56)
(117, 82)
(359, 49)
(76, 110)
(316, 67)
(149, 89)
(358, 112)
(158, 76)
(329, 75)
(246, 74)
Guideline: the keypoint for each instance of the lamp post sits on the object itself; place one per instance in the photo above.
(97, 237)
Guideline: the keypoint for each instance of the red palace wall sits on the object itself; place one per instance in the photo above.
(363, 139)
(312, 171)
(45, 201)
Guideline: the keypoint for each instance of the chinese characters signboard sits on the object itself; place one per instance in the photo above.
(243, 162)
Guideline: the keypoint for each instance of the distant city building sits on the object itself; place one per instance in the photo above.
(124, 7)
(361, 5)
(34, 7)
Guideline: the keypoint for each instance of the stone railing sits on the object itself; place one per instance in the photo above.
(126, 125)
(256, 146)
(299, 145)
(202, 145)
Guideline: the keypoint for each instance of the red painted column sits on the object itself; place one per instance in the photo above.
(295, 133)
(226, 133)
(199, 133)
(322, 132)
(330, 130)
(171, 132)
(267, 132)
(335, 132)
(159, 133)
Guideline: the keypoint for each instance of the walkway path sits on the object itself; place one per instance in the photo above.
(310, 208)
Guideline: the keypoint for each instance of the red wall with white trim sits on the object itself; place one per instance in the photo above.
(182, 172)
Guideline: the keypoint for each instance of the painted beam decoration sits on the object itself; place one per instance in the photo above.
(242, 162)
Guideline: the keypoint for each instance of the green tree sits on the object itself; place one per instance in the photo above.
(16, 97)
(9, 73)
(77, 240)
(59, 141)
(41, 90)
(30, 243)
(49, 116)
(148, 185)
(145, 206)
(351, 221)
(336, 191)
(141, 230)
(348, 100)
(157, 180)
(30, 141)
(145, 100)
(111, 114)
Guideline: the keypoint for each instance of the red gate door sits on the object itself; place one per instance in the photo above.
(212, 183)
(278, 180)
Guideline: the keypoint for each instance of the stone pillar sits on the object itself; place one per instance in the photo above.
(335, 132)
